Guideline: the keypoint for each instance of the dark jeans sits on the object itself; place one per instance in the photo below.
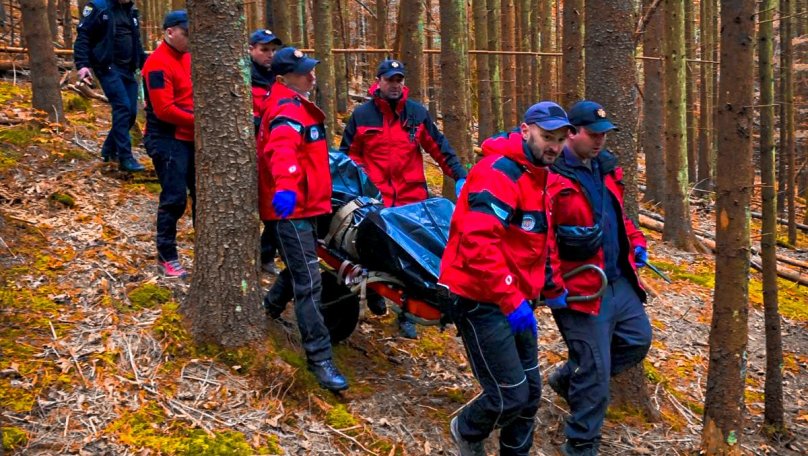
(507, 367)
(600, 346)
(297, 240)
(268, 250)
(121, 90)
(174, 163)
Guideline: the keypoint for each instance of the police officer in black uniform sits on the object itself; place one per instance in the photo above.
(108, 43)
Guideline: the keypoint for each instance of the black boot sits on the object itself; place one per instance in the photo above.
(560, 383)
(130, 165)
(328, 375)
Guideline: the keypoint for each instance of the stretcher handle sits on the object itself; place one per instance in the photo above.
(604, 282)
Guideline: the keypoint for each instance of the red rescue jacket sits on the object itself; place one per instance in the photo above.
(293, 155)
(169, 93)
(387, 145)
(570, 206)
(499, 242)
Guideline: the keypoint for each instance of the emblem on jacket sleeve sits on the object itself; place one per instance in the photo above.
(88, 9)
(528, 223)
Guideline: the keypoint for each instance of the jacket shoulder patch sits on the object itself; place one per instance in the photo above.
(509, 168)
(157, 79)
(88, 10)
(284, 101)
(285, 121)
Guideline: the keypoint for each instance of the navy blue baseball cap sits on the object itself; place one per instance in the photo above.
(592, 116)
(291, 60)
(390, 68)
(264, 36)
(548, 116)
(176, 18)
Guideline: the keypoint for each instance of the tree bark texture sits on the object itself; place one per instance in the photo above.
(629, 392)
(326, 88)
(773, 414)
(523, 34)
(547, 78)
(611, 80)
(412, 46)
(690, 87)
(44, 72)
(52, 15)
(340, 60)
(67, 24)
(653, 123)
(678, 230)
(282, 20)
(224, 301)
(381, 24)
(572, 61)
(724, 400)
(706, 151)
(455, 69)
(431, 73)
(485, 117)
(509, 109)
(787, 144)
(494, 63)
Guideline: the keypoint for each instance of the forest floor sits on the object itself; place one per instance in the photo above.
(94, 360)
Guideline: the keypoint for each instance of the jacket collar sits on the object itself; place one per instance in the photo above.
(261, 76)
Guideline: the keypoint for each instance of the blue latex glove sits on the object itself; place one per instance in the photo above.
(559, 302)
(459, 186)
(284, 203)
(523, 319)
(640, 256)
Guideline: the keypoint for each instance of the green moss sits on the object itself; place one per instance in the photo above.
(62, 198)
(339, 417)
(10, 92)
(791, 298)
(241, 358)
(14, 438)
(19, 135)
(170, 328)
(15, 398)
(77, 103)
(8, 158)
(652, 373)
(148, 296)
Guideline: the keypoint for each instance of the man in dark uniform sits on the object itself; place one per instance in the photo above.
(108, 43)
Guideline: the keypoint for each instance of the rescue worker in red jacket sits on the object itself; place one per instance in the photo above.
(294, 188)
(169, 136)
(263, 45)
(500, 257)
(604, 336)
(385, 136)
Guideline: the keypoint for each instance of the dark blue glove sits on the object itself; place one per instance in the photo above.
(284, 203)
(459, 186)
(640, 256)
(523, 319)
(559, 302)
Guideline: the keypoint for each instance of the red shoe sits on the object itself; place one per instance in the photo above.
(172, 269)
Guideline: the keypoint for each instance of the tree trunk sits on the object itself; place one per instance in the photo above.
(298, 23)
(326, 91)
(611, 80)
(653, 124)
(412, 46)
(282, 19)
(678, 230)
(523, 82)
(547, 88)
(510, 116)
(431, 76)
(340, 61)
(690, 53)
(629, 392)
(381, 24)
(706, 152)
(485, 117)
(572, 62)
(224, 300)
(494, 66)
(724, 400)
(787, 145)
(454, 68)
(52, 15)
(67, 24)
(773, 415)
(44, 72)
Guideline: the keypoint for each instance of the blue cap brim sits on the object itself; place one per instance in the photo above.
(555, 124)
(305, 65)
(275, 40)
(601, 126)
(391, 73)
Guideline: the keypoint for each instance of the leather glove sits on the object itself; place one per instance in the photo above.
(85, 76)
(523, 319)
(284, 203)
(559, 302)
(459, 186)
(640, 256)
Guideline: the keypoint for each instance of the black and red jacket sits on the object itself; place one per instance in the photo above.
(293, 155)
(169, 93)
(572, 208)
(387, 145)
(262, 80)
(499, 245)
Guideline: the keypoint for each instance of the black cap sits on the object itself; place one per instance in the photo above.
(591, 116)
(263, 36)
(390, 68)
(291, 60)
(176, 18)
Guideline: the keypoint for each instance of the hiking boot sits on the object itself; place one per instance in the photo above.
(407, 329)
(328, 375)
(172, 269)
(271, 268)
(377, 304)
(560, 383)
(112, 157)
(580, 448)
(130, 165)
(465, 447)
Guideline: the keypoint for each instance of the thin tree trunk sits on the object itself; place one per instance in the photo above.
(282, 20)
(572, 61)
(547, 89)
(724, 401)
(326, 88)
(494, 66)
(485, 116)
(454, 68)
(535, 46)
(224, 300)
(690, 87)
(44, 72)
(523, 44)
(340, 62)
(787, 143)
(508, 37)
(706, 152)
(773, 414)
(412, 46)
(653, 124)
(431, 76)
(381, 24)
(678, 230)
(52, 15)
(67, 24)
